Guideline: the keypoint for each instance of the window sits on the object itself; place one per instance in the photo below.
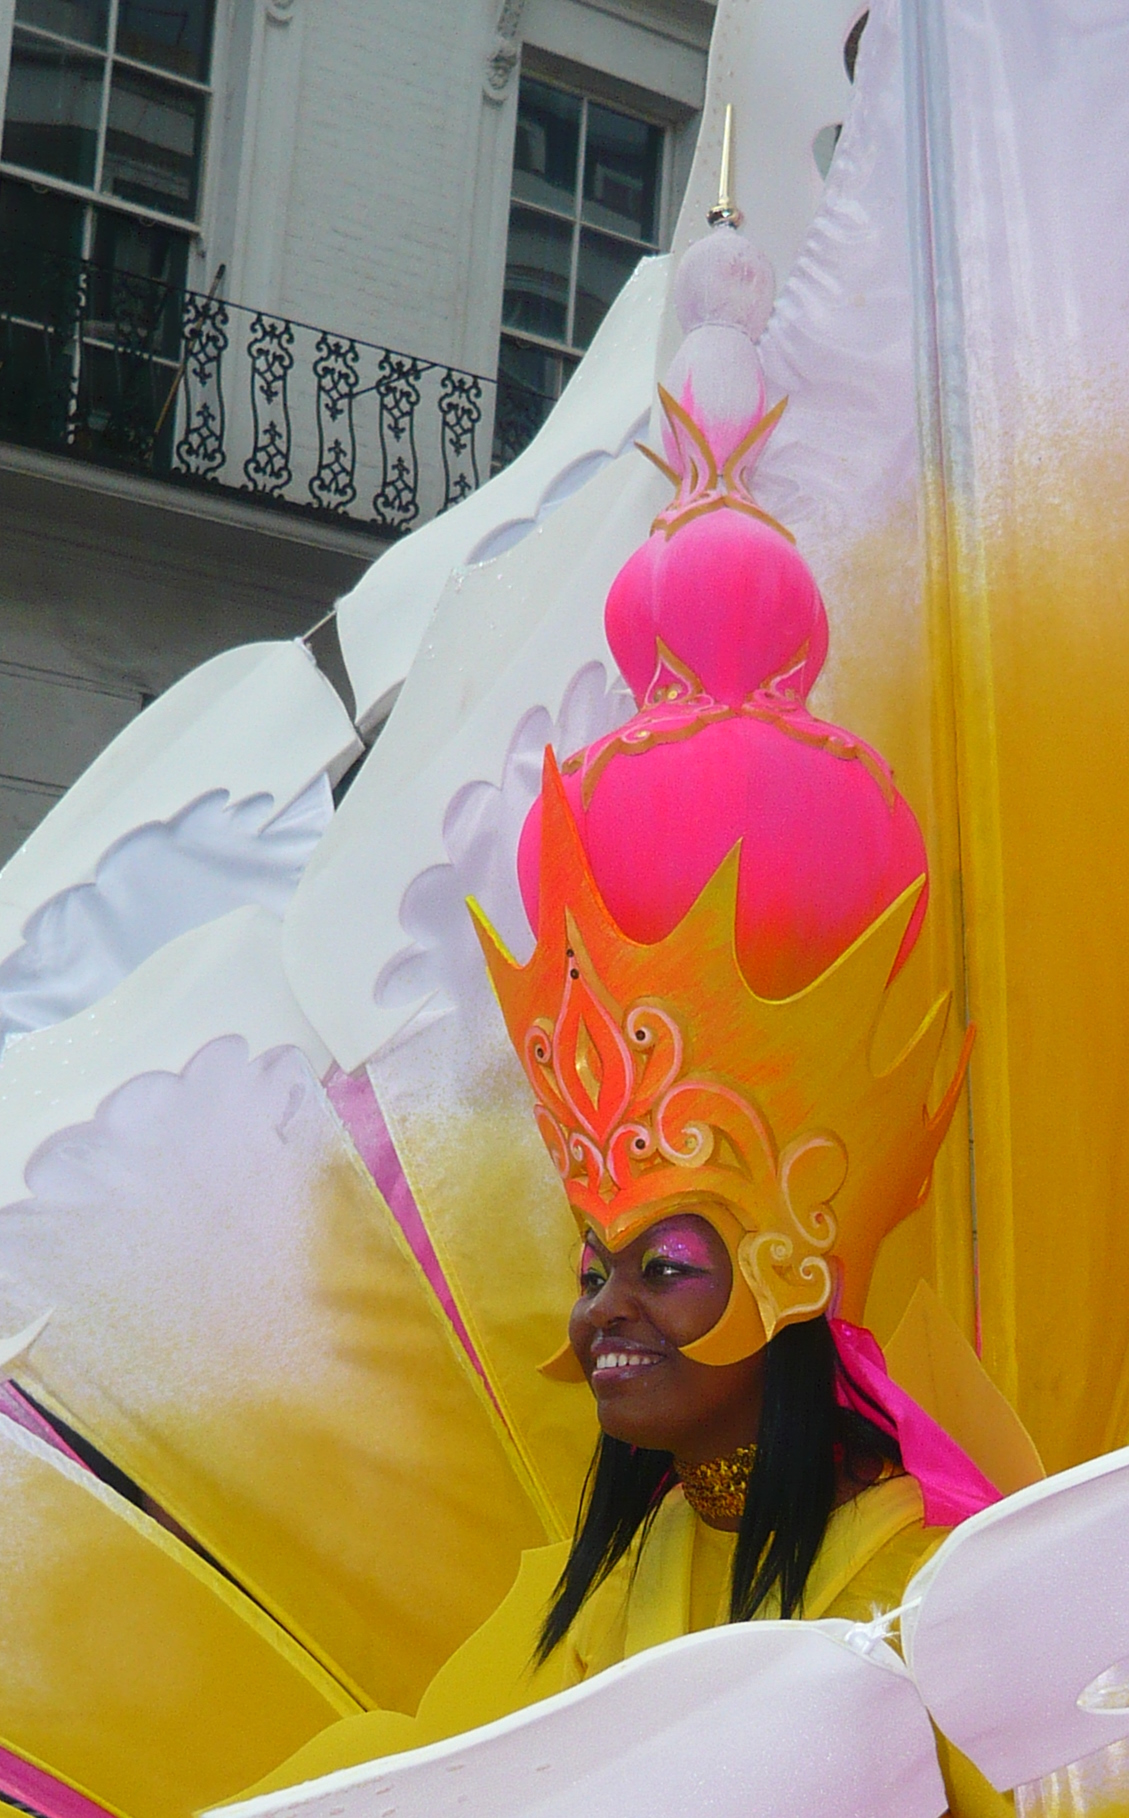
(101, 160)
(108, 100)
(585, 207)
(110, 96)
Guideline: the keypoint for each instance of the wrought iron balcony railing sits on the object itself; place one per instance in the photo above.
(116, 368)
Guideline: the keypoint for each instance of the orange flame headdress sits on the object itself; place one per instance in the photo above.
(661, 1080)
(722, 891)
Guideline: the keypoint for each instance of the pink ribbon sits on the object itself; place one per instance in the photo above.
(355, 1103)
(952, 1487)
(35, 1787)
(14, 1406)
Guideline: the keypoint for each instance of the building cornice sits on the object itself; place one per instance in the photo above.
(687, 22)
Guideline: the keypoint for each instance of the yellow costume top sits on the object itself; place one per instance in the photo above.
(677, 1584)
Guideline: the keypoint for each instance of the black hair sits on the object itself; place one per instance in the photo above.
(806, 1446)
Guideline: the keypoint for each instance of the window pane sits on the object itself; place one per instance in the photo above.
(40, 265)
(622, 166)
(153, 140)
(132, 341)
(173, 34)
(530, 380)
(140, 248)
(36, 382)
(121, 393)
(81, 19)
(137, 281)
(537, 262)
(40, 272)
(604, 268)
(40, 262)
(534, 368)
(40, 218)
(546, 146)
(54, 100)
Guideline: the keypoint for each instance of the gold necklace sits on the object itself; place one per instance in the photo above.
(716, 1490)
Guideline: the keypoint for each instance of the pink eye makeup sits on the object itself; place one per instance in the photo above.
(592, 1269)
(689, 1249)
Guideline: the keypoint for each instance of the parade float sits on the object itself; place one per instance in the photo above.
(771, 766)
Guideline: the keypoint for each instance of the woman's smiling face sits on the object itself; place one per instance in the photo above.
(637, 1307)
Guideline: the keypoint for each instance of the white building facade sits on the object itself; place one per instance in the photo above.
(279, 280)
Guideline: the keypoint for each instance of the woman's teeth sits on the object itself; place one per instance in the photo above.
(622, 1360)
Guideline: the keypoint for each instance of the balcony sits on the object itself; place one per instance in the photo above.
(111, 367)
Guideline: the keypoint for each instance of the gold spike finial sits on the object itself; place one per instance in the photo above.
(725, 210)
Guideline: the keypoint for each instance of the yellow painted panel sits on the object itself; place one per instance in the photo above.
(1022, 395)
(129, 1668)
(889, 678)
(242, 1329)
(1058, 598)
(497, 1215)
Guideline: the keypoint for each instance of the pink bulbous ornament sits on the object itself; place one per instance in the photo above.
(719, 630)
(827, 843)
(731, 597)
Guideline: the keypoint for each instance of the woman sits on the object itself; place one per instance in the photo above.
(717, 1494)
(679, 1436)
(722, 891)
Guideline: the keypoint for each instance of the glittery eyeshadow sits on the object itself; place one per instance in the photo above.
(590, 1260)
(689, 1247)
